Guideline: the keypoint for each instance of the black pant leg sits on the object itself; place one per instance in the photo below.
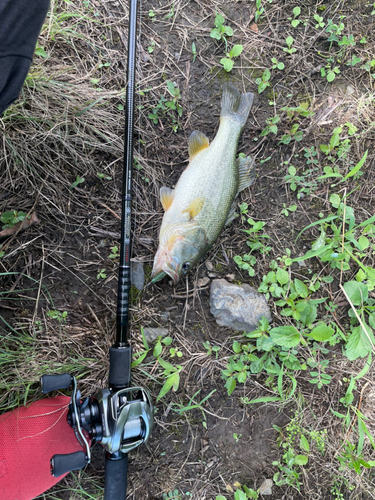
(20, 25)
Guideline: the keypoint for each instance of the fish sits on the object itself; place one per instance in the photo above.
(203, 200)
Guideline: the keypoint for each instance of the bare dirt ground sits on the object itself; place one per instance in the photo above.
(67, 127)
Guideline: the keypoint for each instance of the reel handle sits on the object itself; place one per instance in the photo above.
(51, 383)
(61, 464)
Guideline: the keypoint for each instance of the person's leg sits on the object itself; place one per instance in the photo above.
(20, 25)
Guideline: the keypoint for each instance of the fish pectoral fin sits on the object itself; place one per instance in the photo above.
(166, 197)
(232, 214)
(197, 142)
(246, 170)
(194, 208)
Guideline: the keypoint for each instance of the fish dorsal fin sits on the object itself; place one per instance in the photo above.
(197, 142)
(246, 170)
(195, 207)
(166, 197)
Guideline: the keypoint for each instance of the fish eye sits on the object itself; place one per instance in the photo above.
(185, 267)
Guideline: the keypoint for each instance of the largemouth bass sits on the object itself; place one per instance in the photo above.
(202, 202)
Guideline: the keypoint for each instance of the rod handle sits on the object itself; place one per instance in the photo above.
(116, 472)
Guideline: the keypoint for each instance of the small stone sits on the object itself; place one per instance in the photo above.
(152, 334)
(203, 281)
(238, 307)
(266, 487)
(212, 275)
(209, 266)
(302, 263)
(165, 316)
(137, 275)
(230, 277)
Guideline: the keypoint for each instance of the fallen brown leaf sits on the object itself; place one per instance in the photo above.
(20, 226)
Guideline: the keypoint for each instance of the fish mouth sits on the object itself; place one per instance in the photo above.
(166, 269)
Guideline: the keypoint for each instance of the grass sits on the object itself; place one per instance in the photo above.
(304, 237)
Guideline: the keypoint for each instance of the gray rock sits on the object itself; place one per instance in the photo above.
(152, 334)
(266, 487)
(238, 307)
(137, 275)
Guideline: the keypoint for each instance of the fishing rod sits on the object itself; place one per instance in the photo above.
(119, 417)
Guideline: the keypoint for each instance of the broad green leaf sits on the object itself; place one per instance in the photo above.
(321, 332)
(265, 343)
(301, 460)
(282, 276)
(335, 139)
(236, 51)
(296, 11)
(227, 30)
(286, 336)
(230, 385)
(304, 444)
(320, 242)
(157, 349)
(236, 347)
(227, 63)
(176, 381)
(166, 365)
(357, 292)
(171, 87)
(39, 51)
(170, 382)
(219, 20)
(335, 200)
(355, 169)
(358, 345)
(308, 312)
(289, 41)
(363, 242)
(215, 33)
(250, 492)
(240, 495)
(301, 288)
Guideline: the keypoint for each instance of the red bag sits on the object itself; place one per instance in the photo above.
(29, 437)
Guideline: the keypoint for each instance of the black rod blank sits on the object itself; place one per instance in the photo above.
(122, 317)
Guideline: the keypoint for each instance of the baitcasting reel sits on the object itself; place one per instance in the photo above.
(118, 420)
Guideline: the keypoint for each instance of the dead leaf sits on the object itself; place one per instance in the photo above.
(20, 226)
(254, 28)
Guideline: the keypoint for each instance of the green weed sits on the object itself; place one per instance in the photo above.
(221, 32)
(228, 61)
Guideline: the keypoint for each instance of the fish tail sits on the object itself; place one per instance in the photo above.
(235, 105)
